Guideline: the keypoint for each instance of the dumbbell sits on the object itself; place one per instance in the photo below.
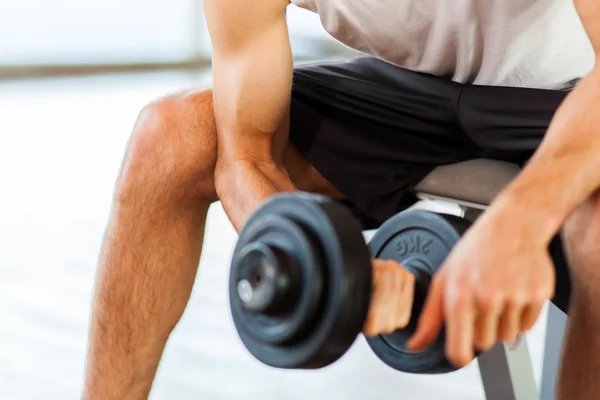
(301, 279)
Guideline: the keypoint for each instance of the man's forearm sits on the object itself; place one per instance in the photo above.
(242, 186)
(565, 170)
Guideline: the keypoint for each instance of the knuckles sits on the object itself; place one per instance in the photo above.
(518, 298)
(458, 298)
(491, 298)
(489, 301)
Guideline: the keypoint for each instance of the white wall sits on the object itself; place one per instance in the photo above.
(109, 31)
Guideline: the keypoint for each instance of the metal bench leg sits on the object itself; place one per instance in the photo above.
(507, 373)
(555, 333)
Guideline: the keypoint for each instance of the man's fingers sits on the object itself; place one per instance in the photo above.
(399, 297)
(431, 318)
(460, 321)
(406, 300)
(394, 296)
(510, 323)
(486, 324)
(387, 280)
(531, 315)
(377, 298)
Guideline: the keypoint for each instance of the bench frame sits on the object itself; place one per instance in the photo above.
(506, 370)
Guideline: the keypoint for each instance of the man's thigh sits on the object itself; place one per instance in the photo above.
(581, 235)
(508, 122)
(373, 131)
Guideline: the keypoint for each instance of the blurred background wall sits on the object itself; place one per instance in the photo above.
(66, 36)
(90, 67)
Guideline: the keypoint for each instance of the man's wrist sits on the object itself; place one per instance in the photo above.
(529, 211)
(243, 185)
(564, 171)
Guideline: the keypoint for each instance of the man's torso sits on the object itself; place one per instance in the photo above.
(521, 43)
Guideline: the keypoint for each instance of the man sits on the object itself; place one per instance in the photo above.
(446, 81)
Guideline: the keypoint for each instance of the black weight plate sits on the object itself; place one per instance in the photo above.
(420, 241)
(288, 235)
(346, 272)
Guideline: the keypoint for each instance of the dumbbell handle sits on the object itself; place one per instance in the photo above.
(270, 284)
(422, 283)
(420, 271)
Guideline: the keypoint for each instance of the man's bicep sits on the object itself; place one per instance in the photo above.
(232, 23)
(589, 12)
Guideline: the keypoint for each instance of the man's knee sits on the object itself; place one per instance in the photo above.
(582, 238)
(173, 147)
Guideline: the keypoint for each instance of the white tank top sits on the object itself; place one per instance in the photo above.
(522, 43)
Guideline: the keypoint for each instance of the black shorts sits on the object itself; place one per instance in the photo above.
(374, 130)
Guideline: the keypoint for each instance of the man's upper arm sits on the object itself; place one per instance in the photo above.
(589, 12)
(234, 23)
(252, 72)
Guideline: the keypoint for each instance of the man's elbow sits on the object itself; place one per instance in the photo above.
(589, 12)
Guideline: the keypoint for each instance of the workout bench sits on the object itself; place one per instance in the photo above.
(506, 370)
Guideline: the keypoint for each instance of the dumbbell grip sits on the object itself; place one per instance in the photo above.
(422, 285)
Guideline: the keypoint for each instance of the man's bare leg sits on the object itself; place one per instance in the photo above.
(153, 242)
(152, 245)
(579, 376)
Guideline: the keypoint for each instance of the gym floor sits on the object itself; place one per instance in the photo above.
(62, 143)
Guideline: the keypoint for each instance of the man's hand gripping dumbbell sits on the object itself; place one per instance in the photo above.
(304, 283)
